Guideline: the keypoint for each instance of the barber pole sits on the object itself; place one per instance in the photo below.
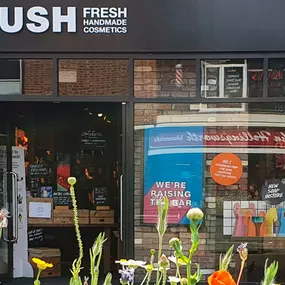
(179, 75)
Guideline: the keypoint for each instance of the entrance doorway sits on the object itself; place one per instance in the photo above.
(53, 141)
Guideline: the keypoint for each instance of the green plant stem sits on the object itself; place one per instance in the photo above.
(164, 277)
(95, 281)
(160, 240)
(145, 278)
(189, 265)
(39, 274)
(76, 224)
(240, 272)
(148, 278)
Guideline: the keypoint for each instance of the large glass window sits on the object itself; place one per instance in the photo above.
(276, 81)
(27, 77)
(231, 163)
(93, 77)
(165, 78)
(238, 78)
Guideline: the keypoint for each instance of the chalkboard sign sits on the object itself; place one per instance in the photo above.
(38, 170)
(93, 139)
(36, 236)
(273, 191)
(62, 198)
(233, 81)
(100, 196)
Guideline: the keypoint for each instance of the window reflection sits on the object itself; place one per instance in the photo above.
(231, 162)
(232, 78)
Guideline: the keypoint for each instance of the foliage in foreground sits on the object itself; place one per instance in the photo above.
(183, 258)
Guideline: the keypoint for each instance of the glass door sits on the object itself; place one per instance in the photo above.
(7, 183)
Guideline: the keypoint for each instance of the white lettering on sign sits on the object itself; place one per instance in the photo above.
(105, 20)
(38, 19)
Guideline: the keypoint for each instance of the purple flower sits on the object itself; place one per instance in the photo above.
(127, 275)
(242, 250)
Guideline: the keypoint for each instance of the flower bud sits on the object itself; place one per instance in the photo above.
(243, 252)
(174, 241)
(163, 262)
(184, 281)
(195, 214)
(71, 181)
(152, 251)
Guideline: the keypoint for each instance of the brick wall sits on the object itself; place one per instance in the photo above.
(92, 77)
(95, 77)
(37, 77)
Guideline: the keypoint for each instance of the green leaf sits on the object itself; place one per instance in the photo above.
(225, 261)
(270, 273)
(108, 279)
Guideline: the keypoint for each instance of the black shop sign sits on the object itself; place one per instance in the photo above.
(133, 26)
(273, 191)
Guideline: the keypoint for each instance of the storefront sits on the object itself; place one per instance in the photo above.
(140, 100)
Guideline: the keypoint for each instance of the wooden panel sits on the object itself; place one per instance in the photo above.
(103, 220)
(70, 221)
(102, 214)
(55, 271)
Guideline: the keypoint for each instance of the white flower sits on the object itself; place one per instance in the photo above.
(195, 214)
(176, 261)
(131, 263)
(173, 280)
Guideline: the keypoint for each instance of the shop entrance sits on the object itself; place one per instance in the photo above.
(41, 145)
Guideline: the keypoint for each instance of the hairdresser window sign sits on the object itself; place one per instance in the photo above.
(89, 20)
(173, 169)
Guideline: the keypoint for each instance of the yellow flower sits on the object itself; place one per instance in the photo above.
(42, 265)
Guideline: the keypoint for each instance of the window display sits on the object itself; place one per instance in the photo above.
(230, 162)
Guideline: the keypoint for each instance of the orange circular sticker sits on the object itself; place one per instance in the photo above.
(226, 169)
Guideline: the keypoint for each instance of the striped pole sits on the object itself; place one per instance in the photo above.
(179, 75)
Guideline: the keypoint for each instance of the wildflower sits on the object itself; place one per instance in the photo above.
(42, 265)
(148, 267)
(127, 276)
(243, 252)
(177, 261)
(221, 277)
(173, 280)
(163, 262)
(195, 214)
(131, 263)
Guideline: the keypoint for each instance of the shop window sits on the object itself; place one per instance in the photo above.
(276, 81)
(93, 77)
(165, 78)
(239, 78)
(10, 76)
(26, 77)
(229, 163)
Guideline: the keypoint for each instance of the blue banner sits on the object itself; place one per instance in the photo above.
(173, 168)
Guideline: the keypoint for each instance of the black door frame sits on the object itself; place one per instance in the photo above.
(8, 239)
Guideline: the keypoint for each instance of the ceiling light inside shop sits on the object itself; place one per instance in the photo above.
(100, 115)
